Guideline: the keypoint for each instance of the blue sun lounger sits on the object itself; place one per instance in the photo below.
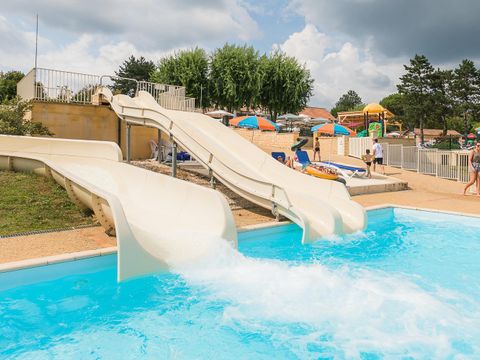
(276, 154)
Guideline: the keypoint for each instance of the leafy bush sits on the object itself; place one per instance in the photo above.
(14, 119)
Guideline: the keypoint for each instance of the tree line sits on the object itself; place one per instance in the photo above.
(430, 97)
(232, 77)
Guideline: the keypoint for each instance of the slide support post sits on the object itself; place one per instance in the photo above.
(174, 159)
(128, 142)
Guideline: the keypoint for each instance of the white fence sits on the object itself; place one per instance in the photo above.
(71, 87)
(357, 146)
(441, 163)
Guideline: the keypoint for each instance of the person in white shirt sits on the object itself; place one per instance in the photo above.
(378, 154)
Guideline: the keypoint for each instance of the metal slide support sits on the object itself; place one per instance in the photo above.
(174, 159)
(128, 141)
(213, 182)
(275, 212)
(159, 147)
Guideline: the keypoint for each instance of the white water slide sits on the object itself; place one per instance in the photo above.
(320, 207)
(159, 221)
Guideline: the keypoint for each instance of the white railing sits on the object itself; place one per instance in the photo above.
(64, 86)
(394, 155)
(71, 87)
(357, 146)
(168, 96)
(463, 174)
(427, 161)
(447, 164)
(410, 158)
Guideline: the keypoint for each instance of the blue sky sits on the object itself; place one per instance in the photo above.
(346, 44)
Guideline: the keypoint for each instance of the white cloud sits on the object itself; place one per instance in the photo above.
(338, 68)
(96, 39)
(146, 23)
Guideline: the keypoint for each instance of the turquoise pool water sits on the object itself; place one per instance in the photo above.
(406, 288)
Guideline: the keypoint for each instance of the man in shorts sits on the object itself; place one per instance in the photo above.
(378, 156)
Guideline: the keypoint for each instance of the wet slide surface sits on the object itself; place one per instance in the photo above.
(320, 207)
(159, 221)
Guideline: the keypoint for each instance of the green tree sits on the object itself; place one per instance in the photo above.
(132, 68)
(188, 68)
(466, 91)
(13, 119)
(8, 84)
(286, 85)
(235, 77)
(415, 86)
(347, 102)
(441, 98)
(394, 103)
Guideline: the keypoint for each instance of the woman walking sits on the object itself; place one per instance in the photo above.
(474, 167)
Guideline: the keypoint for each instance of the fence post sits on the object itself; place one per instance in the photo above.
(401, 156)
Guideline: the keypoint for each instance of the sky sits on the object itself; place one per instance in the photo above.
(346, 44)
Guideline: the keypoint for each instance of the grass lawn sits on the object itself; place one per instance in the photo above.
(31, 202)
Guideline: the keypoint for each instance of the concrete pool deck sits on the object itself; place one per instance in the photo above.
(426, 192)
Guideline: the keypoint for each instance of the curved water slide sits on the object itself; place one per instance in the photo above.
(320, 207)
(159, 221)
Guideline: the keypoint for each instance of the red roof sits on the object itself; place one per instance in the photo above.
(315, 112)
(436, 132)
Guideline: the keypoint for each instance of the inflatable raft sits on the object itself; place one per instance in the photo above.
(322, 172)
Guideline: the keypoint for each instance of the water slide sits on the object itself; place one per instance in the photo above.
(320, 207)
(159, 221)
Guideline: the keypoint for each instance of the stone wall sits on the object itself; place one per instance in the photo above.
(268, 140)
(91, 122)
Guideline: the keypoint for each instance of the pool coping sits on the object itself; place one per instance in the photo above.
(80, 255)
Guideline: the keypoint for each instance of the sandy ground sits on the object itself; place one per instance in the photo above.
(425, 192)
(55, 243)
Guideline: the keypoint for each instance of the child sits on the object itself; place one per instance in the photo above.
(316, 149)
(368, 158)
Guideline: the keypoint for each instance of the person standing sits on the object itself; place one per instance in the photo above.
(367, 159)
(474, 167)
(378, 156)
(316, 149)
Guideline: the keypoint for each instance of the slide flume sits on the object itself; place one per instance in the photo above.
(320, 207)
(159, 221)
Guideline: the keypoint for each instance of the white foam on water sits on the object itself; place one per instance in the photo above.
(351, 310)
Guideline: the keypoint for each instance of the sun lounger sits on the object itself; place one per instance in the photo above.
(276, 154)
(344, 170)
(354, 170)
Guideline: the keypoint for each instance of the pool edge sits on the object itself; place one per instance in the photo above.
(80, 255)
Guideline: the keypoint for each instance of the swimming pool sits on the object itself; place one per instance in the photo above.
(405, 288)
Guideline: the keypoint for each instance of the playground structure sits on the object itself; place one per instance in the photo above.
(370, 114)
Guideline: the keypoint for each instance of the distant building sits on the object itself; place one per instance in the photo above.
(317, 112)
(430, 134)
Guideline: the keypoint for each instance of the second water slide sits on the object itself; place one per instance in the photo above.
(320, 207)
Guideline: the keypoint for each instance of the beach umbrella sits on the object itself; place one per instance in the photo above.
(254, 122)
(320, 120)
(333, 129)
(219, 113)
(289, 117)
